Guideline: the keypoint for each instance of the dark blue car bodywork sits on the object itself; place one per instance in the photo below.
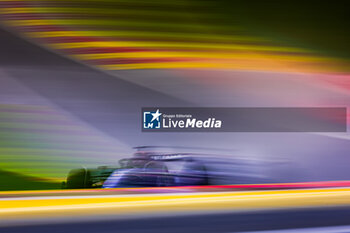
(159, 171)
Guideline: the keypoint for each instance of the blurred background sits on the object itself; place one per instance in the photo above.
(75, 74)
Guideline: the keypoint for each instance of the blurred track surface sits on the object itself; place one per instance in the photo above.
(61, 207)
(181, 189)
(323, 219)
(175, 212)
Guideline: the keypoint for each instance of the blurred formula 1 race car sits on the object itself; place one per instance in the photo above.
(151, 167)
(146, 168)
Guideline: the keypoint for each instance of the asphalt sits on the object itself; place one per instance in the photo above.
(205, 223)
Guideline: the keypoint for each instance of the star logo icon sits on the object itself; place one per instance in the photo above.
(156, 115)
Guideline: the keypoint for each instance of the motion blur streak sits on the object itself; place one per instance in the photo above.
(187, 189)
(157, 35)
(93, 117)
(37, 131)
(337, 229)
(67, 207)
